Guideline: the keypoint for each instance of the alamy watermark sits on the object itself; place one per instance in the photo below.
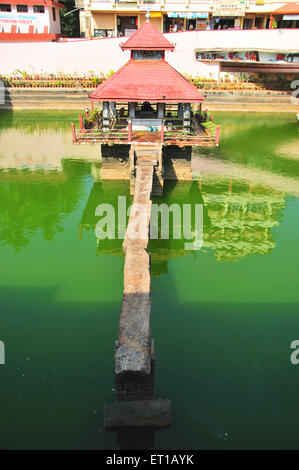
(2, 353)
(294, 357)
(295, 94)
(2, 92)
(173, 222)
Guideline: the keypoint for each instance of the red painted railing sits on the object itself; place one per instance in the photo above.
(96, 135)
(217, 135)
(74, 133)
(191, 139)
(129, 131)
(81, 122)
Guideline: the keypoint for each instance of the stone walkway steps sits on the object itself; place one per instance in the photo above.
(134, 374)
(142, 154)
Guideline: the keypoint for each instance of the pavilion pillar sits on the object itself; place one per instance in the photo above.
(161, 110)
(112, 109)
(132, 110)
(180, 110)
(106, 116)
(187, 117)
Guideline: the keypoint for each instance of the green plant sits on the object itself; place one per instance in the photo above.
(209, 126)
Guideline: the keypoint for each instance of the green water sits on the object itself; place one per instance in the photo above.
(223, 317)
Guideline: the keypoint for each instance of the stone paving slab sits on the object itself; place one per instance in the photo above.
(132, 354)
(155, 413)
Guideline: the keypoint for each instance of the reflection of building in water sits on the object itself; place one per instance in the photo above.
(240, 218)
(237, 218)
(35, 150)
(50, 196)
(30, 162)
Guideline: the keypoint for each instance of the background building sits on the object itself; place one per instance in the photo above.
(122, 17)
(29, 20)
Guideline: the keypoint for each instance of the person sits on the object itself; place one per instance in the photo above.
(175, 28)
(171, 28)
(205, 115)
(146, 106)
(191, 27)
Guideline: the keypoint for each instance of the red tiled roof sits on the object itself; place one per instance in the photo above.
(288, 8)
(147, 37)
(147, 80)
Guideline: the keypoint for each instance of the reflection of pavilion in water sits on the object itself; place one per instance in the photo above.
(241, 217)
(237, 218)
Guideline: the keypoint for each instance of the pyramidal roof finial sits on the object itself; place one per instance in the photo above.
(147, 15)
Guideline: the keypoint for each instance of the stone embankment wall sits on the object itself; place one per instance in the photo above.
(72, 98)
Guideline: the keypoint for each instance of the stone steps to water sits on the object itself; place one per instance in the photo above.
(146, 153)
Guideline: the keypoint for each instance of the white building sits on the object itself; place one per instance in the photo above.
(29, 20)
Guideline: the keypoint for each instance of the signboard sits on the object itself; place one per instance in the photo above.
(145, 7)
(229, 8)
(189, 14)
(23, 21)
(290, 17)
(16, 18)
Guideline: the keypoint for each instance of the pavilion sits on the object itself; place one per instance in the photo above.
(147, 100)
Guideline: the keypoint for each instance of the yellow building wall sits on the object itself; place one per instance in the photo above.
(157, 22)
(103, 21)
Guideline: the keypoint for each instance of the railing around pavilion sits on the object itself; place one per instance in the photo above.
(177, 130)
(105, 130)
(99, 135)
(174, 130)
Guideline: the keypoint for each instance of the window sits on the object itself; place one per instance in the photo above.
(5, 7)
(146, 55)
(38, 9)
(22, 8)
(54, 13)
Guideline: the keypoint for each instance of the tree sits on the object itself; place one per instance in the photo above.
(70, 25)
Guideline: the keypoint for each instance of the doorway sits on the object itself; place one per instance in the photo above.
(126, 25)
